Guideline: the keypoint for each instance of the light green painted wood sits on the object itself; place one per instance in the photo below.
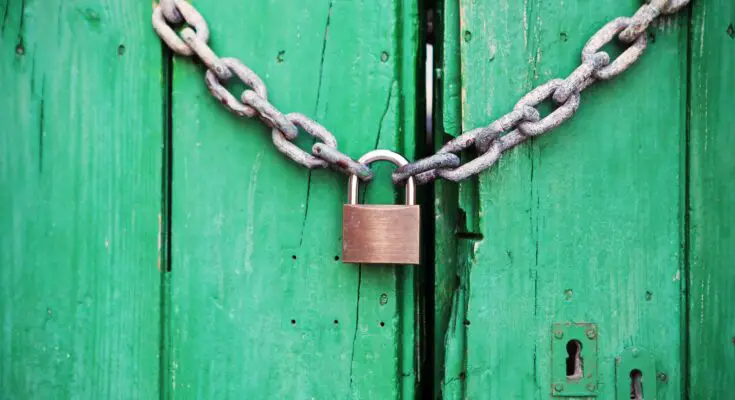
(80, 196)
(712, 202)
(260, 305)
(583, 225)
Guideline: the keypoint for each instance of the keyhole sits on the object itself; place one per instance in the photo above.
(636, 385)
(575, 369)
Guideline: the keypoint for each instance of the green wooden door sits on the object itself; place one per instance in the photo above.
(619, 218)
(152, 245)
(258, 302)
(80, 200)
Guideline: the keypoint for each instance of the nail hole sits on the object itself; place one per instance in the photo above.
(293, 256)
(382, 324)
(19, 49)
(293, 322)
(281, 56)
(636, 384)
(652, 37)
(563, 36)
(336, 322)
(466, 322)
(575, 368)
(731, 31)
(467, 36)
(384, 56)
(336, 258)
(469, 236)
(649, 295)
(120, 49)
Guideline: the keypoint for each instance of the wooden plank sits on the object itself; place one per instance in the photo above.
(261, 305)
(711, 201)
(80, 194)
(582, 225)
(447, 123)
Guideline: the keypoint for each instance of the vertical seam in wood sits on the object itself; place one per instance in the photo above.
(357, 326)
(685, 180)
(5, 17)
(425, 306)
(533, 48)
(41, 126)
(321, 62)
(166, 200)
(316, 112)
(19, 45)
(409, 79)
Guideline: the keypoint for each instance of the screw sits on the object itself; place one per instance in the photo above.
(559, 335)
(662, 377)
(635, 352)
(591, 387)
(591, 334)
(558, 387)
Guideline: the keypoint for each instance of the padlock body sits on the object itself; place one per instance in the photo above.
(380, 234)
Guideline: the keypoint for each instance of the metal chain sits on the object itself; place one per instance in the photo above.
(192, 40)
(523, 122)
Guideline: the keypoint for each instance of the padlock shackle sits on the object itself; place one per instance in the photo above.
(381, 155)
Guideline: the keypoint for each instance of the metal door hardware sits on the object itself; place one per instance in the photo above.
(574, 360)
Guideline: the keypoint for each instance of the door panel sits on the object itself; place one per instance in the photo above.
(81, 127)
(712, 202)
(581, 225)
(210, 267)
(260, 304)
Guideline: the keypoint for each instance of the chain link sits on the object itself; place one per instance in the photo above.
(341, 162)
(191, 16)
(192, 40)
(246, 76)
(492, 141)
(605, 36)
(171, 12)
(524, 121)
(294, 152)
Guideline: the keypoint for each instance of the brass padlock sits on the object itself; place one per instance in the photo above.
(381, 233)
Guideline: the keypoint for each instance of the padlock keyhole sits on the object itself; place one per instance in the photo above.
(636, 385)
(575, 368)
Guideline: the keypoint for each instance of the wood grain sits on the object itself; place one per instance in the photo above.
(261, 305)
(582, 225)
(80, 197)
(712, 202)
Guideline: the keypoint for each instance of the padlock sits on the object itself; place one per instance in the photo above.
(381, 233)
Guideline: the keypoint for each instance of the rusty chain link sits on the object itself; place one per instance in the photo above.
(503, 134)
(525, 121)
(253, 102)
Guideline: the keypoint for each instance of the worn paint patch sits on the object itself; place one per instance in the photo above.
(251, 212)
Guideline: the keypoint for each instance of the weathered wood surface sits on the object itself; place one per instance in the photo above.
(80, 196)
(584, 225)
(621, 217)
(712, 202)
(260, 304)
